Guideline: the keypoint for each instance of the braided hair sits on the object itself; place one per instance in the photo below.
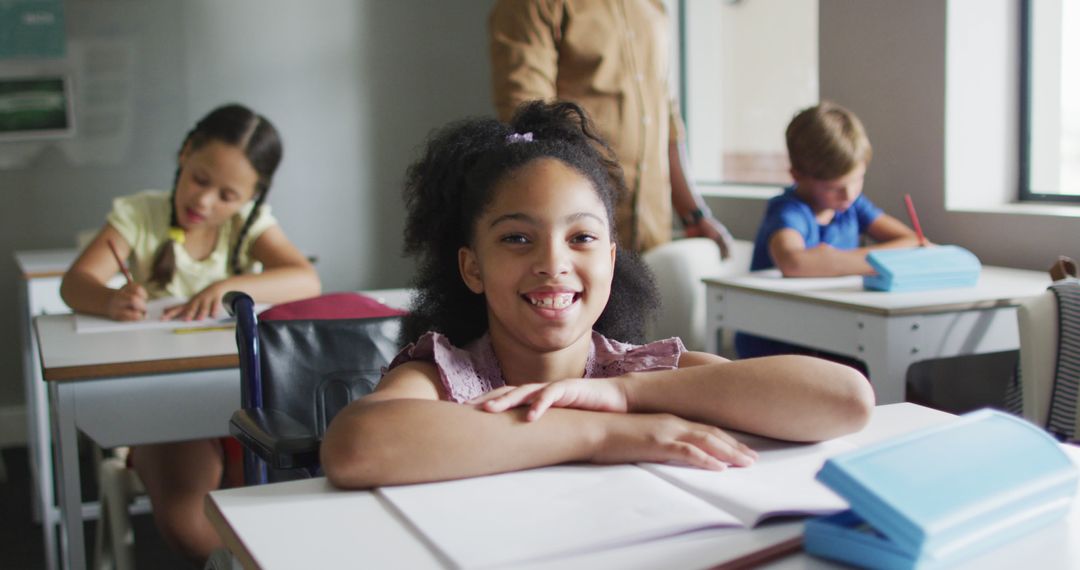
(453, 183)
(238, 126)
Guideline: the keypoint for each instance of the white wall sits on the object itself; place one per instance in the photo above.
(773, 69)
(354, 87)
(746, 60)
(982, 69)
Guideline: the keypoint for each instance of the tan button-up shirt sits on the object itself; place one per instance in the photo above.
(612, 58)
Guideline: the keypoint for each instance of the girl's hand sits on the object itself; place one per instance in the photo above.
(205, 304)
(127, 303)
(597, 394)
(665, 438)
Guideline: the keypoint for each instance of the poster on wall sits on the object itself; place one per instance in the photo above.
(31, 29)
(35, 108)
(103, 69)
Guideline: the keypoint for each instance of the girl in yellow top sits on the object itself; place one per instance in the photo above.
(210, 235)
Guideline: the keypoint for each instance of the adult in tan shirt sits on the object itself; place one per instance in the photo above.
(612, 58)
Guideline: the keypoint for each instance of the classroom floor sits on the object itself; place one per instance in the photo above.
(21, 542)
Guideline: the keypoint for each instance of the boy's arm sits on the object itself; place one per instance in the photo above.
(403, 434)
(889, 232)
(789, 251)
(790, 254)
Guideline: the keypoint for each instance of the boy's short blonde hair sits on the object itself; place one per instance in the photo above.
(827, 141)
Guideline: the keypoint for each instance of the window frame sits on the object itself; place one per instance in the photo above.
(1026, 194)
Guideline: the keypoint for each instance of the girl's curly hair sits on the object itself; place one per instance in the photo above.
(449, 188)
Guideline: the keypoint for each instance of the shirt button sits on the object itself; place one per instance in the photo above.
(639, 77)
(645, 120)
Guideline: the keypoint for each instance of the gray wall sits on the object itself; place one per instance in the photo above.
(354, 88)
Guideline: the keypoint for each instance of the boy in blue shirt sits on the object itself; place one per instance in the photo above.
(814, 228)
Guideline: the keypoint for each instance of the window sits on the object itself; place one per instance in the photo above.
(748, 66)
(1050, 153)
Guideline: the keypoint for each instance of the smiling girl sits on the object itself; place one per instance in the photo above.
(520, 354)
(208, 236)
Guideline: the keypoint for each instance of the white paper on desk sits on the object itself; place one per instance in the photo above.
(780, 483)
(550, 512)
(154, 309)
(772, 279)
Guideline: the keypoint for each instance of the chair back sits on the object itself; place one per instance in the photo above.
(300, 364)
(1038, 327)
(320, 354)
(1049, 367)
(679, 267)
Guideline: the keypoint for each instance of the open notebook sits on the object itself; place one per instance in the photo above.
(574, 509)
(154, 309)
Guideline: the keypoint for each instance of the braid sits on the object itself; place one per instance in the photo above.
(234, 255)
(164, 265)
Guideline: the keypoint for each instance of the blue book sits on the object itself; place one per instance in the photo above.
(922, 268)
(941, 495)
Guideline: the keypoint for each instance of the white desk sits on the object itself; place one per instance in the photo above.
(135, 387)
(39, 294)
(309, 524)
(127, 388)
(1056, 547)
(887, 331)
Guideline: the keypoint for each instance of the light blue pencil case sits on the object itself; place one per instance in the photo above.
(941, 495)
(922, 268)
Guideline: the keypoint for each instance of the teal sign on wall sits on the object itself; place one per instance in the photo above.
(31, 28)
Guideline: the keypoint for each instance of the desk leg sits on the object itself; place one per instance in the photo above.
(889, 376)
(41, 460)
(38, 434)
(887, 345)
(67, 455)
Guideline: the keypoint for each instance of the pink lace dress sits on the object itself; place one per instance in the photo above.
(471, 371)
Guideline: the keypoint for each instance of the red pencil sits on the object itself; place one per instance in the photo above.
(914, 219)
(120, 262)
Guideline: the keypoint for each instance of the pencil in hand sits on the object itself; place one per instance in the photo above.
(914, 220)
(120, 262)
